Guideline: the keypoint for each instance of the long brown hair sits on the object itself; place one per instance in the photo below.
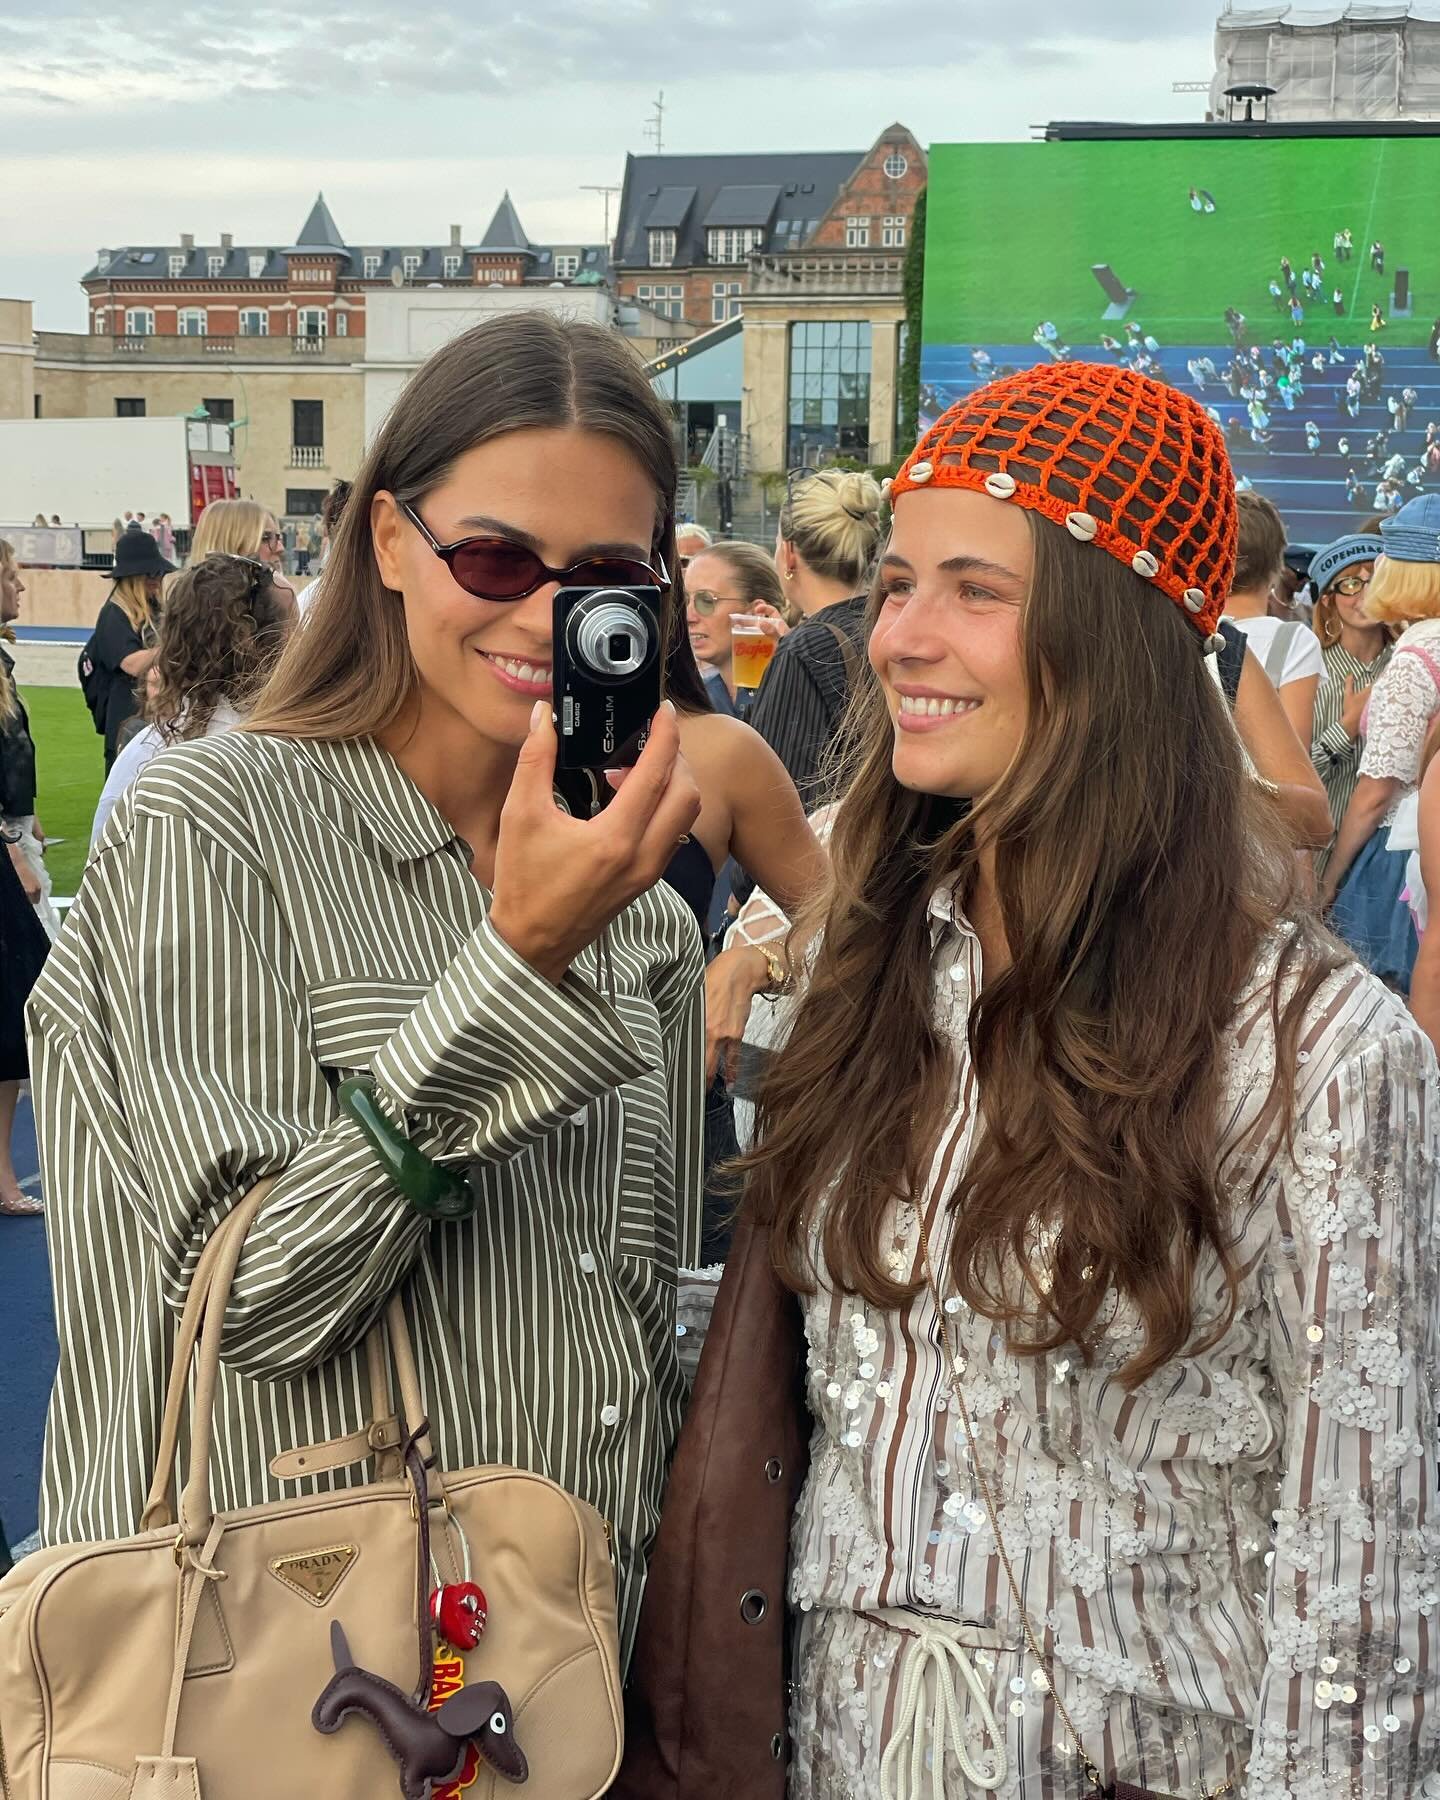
(220, 635)
(348, 672)
(1138, 872)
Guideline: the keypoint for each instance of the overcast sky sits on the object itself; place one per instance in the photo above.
(132, 128)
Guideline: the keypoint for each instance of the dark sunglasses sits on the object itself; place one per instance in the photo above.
(272, 537)
(494, 568)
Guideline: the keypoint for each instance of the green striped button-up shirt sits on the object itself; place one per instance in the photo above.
(261, 918)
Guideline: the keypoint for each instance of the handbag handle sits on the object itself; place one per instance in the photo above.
(203, 1320)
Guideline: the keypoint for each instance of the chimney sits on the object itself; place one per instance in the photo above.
(227, 242)
(454, 237)
(187, 240)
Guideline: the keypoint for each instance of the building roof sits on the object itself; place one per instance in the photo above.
(505, 232)
(372, 262)
(1252, 17)
(319, 232)
(784, 194)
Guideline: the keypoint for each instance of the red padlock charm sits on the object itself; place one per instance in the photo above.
(458, 1612)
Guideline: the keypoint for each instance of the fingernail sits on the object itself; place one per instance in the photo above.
(669, 706)
(537, 713)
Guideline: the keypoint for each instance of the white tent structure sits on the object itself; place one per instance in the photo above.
(1333, 62)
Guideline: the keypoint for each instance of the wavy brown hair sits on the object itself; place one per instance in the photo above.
(220, 635)
(348, 672)
(1138, 872)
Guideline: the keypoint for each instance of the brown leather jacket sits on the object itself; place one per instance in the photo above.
(706, 1710)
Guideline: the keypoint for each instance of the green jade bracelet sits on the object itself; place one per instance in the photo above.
(436, 1192)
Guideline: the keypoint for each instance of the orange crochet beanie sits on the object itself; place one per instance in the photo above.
(1120, 460)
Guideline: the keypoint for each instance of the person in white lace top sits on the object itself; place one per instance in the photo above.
(1110, 1186)
(1365, 875)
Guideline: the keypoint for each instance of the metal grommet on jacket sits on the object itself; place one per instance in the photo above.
(774, 1469)
(753, 1606)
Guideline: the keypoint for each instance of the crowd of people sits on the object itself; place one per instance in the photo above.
(945, 1161)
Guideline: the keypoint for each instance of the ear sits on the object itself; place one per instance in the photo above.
(387, 534)
(467, 1713)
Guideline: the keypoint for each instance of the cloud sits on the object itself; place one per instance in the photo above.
(58, 51)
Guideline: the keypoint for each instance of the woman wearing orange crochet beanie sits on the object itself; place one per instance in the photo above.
(1106, 1180)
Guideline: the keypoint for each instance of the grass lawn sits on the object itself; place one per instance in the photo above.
(70, 760)
(1013, 230)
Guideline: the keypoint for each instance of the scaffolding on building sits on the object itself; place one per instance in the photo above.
(1360, 62)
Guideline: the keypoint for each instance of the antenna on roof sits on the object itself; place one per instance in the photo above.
(588, 187)
(655, 124)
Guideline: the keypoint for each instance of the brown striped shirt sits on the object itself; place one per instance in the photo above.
(261, 918)
(1235, 1567)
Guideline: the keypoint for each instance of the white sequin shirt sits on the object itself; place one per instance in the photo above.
(1235, 1568)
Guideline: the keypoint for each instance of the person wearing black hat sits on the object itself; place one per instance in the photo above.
(121, 647)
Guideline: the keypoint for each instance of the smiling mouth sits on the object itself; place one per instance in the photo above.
(534, 678)
(914, 706)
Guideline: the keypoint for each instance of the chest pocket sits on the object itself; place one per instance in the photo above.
(350, 1020)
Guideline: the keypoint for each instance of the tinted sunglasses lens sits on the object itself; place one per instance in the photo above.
(611, 573)
(703, 603)
(497, 571)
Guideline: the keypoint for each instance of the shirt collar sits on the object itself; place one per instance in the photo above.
(403, 821)
(946, 911)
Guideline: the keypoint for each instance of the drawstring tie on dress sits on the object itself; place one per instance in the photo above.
(937, 1658)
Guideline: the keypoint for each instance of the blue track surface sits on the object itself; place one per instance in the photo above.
(27, 1344)
(51, 634)
(1308, 489)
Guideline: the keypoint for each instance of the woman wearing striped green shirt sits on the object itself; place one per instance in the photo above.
(375, 878)
(1356, 650)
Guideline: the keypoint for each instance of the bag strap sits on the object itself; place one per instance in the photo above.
(1279, 651)
(202, 1321)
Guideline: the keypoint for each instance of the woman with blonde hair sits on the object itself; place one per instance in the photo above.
(244, 528)
(121, 648)
(828, 532)
(720, 581)
(1365, 875)
(1356, 651)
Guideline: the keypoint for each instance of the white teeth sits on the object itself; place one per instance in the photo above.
(930, 708)
(534, 673)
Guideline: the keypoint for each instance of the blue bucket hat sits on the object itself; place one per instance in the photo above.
(1343, 554)
(1413, 533)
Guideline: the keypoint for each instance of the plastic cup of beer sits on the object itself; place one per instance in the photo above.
(751, 646)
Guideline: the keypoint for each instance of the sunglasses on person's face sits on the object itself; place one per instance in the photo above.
(1350, 585)
(705, 602)
(494, 568)
(272, 537)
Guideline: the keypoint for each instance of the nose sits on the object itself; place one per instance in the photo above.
(907, 635)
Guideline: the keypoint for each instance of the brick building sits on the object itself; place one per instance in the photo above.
(314, 288)
(690, 226)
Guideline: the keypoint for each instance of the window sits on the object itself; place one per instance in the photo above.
(223, 410)
(258, 259)
(733, 246)
(133, 408)
(411, 261)
(178, 260)
(254, 322)
(192, 321)
(892, 231)
(723, 304)
(139, 322)
(566, 266)
(304, 503)
(452, 264)
(310, 322)
(896, 165)
(342, 324)
(215, 264)
(372, 264)
(857, 234)
(100, 322)
(307, 434)
(662, 249)
(829, 391)
(39, 406)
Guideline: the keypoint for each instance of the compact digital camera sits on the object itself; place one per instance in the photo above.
(607, 667)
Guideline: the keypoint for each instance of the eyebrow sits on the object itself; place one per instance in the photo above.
(499, 528)
(957, 565)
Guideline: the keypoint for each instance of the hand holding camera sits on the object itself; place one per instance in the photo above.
(559, 880)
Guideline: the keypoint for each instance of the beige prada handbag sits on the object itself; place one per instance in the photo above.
(287, 1651)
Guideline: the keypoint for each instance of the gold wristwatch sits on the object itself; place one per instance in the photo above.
(781, 979)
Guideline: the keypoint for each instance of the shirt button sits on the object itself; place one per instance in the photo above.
(587, 1263)
(609, 1415)
(957, 971)
(579, 1118)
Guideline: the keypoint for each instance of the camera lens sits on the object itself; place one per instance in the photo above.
(609, 635)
